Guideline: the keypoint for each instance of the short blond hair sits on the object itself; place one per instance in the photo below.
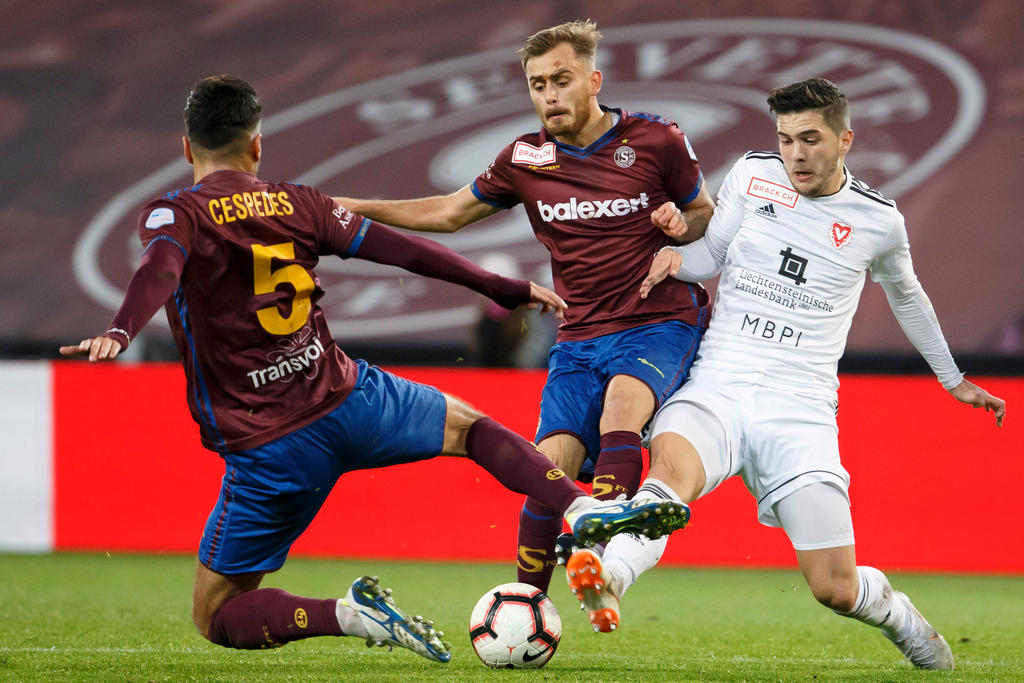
(582, 35)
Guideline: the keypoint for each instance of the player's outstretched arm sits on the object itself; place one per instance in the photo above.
(443, 213)
(686, 224)
(152, 284)
(973, 395)
(424, 256)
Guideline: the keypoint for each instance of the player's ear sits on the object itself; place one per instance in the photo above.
(596, 79)
(845, 141)
(256, 147)
(187, 149)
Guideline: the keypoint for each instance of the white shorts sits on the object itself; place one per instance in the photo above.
(775, 440)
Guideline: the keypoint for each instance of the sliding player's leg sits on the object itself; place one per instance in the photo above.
(817, 519)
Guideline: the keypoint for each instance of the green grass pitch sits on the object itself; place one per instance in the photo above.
(75, 617)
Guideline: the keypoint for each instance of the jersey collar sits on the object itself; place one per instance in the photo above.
(584, 152)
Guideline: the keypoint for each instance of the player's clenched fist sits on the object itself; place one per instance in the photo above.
(670, 220)
(666, 262)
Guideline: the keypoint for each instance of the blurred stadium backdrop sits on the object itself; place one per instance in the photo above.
(396, 99)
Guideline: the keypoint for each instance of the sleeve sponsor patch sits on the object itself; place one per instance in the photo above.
(689, 149)
(159, 217)
(343, 215)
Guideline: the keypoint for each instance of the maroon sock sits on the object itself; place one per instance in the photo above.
(619, 466)
(519, 466)
(539, 526)
(270, 617)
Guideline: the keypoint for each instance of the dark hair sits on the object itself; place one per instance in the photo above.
(221, 110)
(582, 35)
(814, 93)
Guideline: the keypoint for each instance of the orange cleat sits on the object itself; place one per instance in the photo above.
(590, 583)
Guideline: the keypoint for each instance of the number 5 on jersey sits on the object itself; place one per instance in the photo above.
(266, 281)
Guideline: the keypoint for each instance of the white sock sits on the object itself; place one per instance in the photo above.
(875, 603)
(627, 556)
(349, 620)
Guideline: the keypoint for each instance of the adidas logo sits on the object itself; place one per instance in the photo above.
(768, 211)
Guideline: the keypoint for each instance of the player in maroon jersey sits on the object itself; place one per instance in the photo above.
(232, 260)
(602, 187)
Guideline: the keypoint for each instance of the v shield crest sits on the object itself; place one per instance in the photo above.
(840, 235)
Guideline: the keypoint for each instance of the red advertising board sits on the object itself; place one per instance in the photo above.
(934, 483)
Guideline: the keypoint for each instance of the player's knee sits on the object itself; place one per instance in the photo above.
(211, 628)
(676, 462)
(459, 417)
(840, 596)
(201, 620)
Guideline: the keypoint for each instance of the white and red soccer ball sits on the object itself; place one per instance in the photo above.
(515, 626)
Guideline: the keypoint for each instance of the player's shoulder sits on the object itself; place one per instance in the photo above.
(766, 165)
(864, 192)
(870, 206)
(646, 119)
(179, 196)
(645, 125)
(169, 208)
(295, 189)
(765, 158)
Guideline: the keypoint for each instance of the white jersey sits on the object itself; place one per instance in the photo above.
(792, 272)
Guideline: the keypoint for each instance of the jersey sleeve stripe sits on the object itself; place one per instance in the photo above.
(763, 155)
(202, 393)
(485, 199)
(353, 246)
(696, 189)
(168, 238)
(875, 197)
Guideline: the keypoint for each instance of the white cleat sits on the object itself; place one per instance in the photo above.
(919, 642)
(388, 625)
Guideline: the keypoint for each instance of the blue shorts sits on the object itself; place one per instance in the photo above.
(271, 493)
(659, 355)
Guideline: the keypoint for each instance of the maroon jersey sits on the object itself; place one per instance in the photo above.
(592, 208)
(259, 358)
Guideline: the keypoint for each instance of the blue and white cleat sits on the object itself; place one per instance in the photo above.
(652, 518)
(388, 625)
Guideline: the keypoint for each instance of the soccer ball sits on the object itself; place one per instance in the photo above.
(515, 626)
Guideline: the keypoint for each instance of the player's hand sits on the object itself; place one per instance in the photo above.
(972, 394)
(670, 219)
(546, 300)
(666, 262)
(97, 348)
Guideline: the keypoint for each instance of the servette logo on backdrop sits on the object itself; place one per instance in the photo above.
(915, 104)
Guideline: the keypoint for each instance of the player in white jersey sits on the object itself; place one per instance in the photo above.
(793, 235)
